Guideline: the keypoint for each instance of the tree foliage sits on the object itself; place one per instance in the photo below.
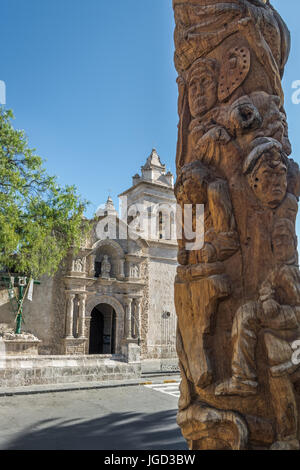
(39, 220)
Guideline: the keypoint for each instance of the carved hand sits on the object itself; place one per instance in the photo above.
(270, 308)
(266, 292)
(217, 134)
(207, 254)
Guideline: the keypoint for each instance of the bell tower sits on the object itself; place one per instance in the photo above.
(152, 193)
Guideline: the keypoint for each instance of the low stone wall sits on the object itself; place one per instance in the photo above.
(21, 347)
(17, 371)
(160, 365)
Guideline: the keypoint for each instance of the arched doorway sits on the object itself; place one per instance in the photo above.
(102, 330)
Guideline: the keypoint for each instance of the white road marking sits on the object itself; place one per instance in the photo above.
(167, 388)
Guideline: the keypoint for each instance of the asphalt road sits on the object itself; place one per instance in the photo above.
(123, 418)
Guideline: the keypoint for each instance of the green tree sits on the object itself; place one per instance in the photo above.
(39, 220)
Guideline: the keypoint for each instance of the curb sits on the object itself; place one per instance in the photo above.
(51, 389)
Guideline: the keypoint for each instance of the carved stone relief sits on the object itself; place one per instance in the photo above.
(79, 265)
(105, 267)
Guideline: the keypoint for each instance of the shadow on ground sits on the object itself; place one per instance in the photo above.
(116, 431)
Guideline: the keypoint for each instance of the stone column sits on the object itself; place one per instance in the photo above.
(128, 316)
(81, 329)
(70, 313)
(87, 333)
(121, 268)
(137, 315)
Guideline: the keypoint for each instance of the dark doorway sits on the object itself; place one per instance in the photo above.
(96, 332)
(102, 330)
(113, 333)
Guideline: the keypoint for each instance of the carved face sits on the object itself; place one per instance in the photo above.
(192, 191)
(269, 181)
(283, 242)
(202, 92)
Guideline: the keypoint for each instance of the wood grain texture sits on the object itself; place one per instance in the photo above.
(238, 297)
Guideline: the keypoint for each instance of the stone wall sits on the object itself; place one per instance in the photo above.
(161, 335)
(38, 313)
(145, 310)
(43, 370)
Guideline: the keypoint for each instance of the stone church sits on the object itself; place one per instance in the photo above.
(115, 296)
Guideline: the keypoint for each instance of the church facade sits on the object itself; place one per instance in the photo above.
(116, 296)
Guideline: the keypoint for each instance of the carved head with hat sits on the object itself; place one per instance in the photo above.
(266, 170)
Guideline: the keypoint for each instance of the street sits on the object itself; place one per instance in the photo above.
(139, 417)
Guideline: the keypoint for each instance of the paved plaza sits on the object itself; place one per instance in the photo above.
(140, 417)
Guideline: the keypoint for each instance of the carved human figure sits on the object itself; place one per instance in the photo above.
(197, 185)
(202, 87)
(233, 156)
(202, 268)
(105, 268)
(277, 309)
(266, 170)
(220, 132)
(256, 115)
(222, 135)
(79, 265)
(201, 30)
(134, 271)
(279, 295)
(202, 91)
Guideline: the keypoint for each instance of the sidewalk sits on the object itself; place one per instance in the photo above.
(51, 388)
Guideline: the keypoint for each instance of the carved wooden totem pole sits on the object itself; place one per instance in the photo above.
(238, 297)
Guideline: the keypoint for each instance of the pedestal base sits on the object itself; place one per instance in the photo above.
(24, 344)
(74, 346)
(131, 352)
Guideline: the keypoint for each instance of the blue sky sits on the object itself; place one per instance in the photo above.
(93, 84)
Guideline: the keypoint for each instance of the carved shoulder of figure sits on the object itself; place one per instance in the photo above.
(288, 209)
(216, 134)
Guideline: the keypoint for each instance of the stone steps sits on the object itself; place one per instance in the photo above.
(16, 371)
